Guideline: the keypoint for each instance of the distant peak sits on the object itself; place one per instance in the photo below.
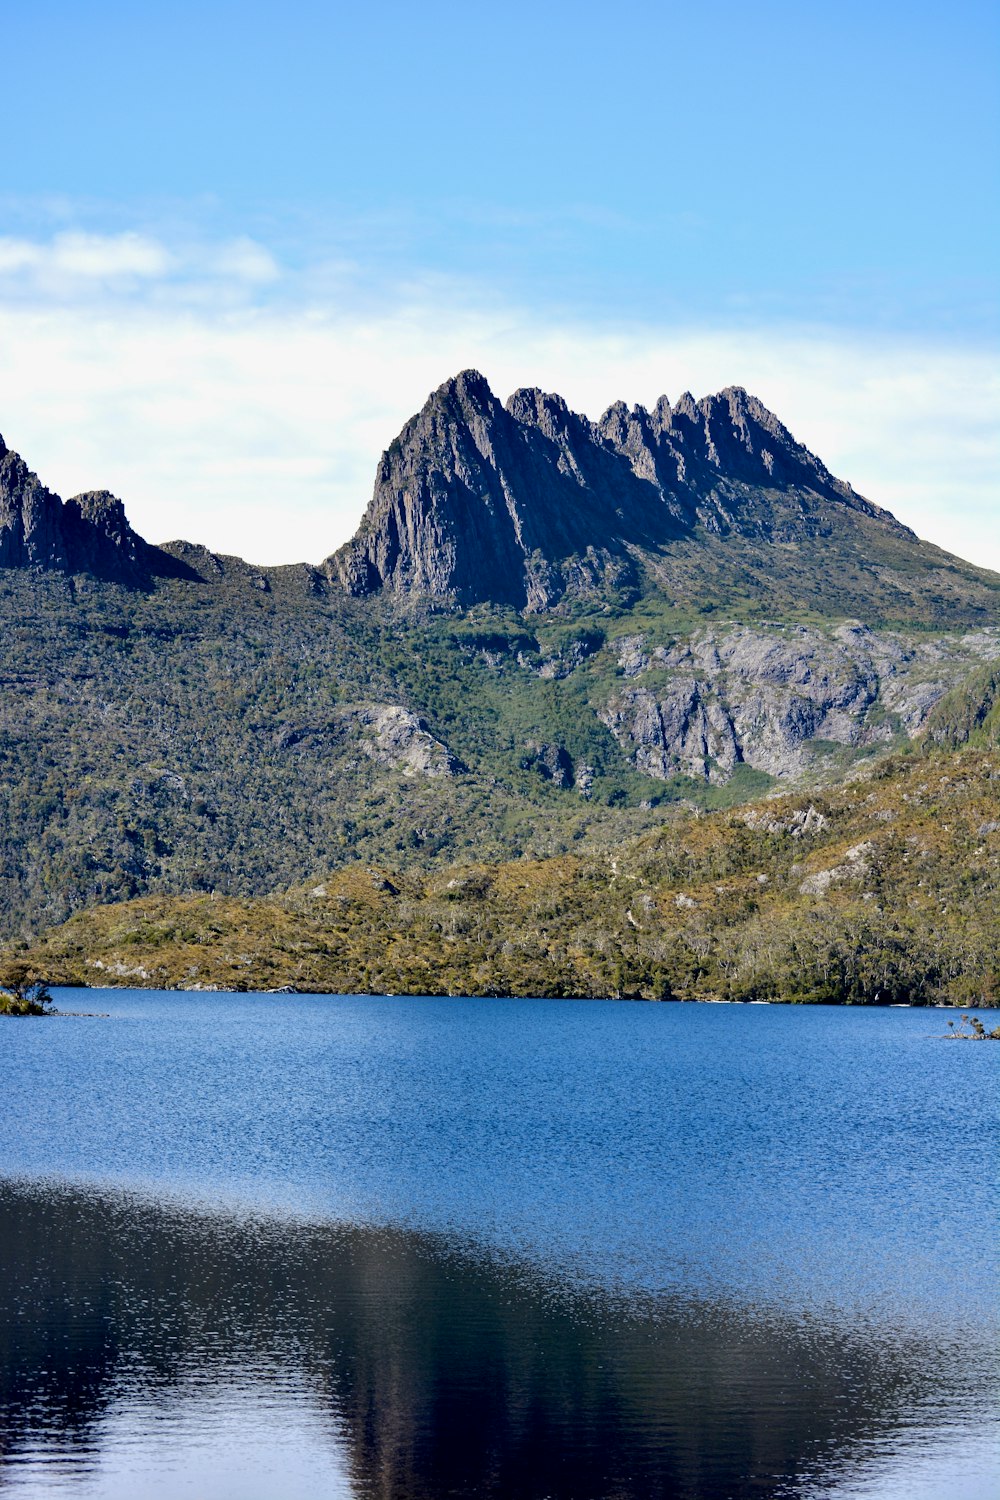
(89, 533)
(98, 503)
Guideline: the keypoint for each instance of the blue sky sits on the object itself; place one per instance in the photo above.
(322, 209)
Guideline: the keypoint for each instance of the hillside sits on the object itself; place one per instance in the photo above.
(245, 739)
(884, 890)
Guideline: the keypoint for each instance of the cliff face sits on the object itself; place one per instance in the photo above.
(87, 534)
(786, 700)
(526, 502)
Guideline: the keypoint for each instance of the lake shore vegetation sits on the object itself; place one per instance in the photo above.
(884, 890)
(25, 997)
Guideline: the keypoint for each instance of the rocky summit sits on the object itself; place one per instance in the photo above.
(87, 534)
(531, 506)
(529, 503)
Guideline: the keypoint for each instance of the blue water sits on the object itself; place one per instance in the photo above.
(823, 1176)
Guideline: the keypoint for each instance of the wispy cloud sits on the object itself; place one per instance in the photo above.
(74, 256)
(73, 265)
(232, 402)
(244, 260)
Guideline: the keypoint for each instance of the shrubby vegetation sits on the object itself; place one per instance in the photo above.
(970, 713)
(883, 890)
(187, 740)
(971, 1029)
(25, 997)
(170, 759)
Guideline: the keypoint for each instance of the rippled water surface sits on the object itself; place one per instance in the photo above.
(305, 1246)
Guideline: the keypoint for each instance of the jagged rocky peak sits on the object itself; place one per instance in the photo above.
(88, 534)
(524, 502)
(477, 501)
(30, 516)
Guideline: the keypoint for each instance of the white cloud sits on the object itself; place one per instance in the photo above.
(244, 260)
(73, 263)
(90, 257)
(107, 256)
(16, 255)
(257, 431)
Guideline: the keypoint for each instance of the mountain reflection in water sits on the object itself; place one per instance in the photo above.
(394, 1364)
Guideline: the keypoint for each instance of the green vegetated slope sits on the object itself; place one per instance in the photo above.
(207, 738)
(696, 611)
(970, 713)
(883, 890)
(218, 736)
(854, 567)
(548, 636)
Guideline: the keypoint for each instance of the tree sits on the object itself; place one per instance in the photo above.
(25, 997)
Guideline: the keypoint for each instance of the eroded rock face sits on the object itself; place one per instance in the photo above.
(551, 762)
(687, 732)
(394, 736)
(30, 517)
(87, 534)
(524, 503)
(774, 697)
(387, 733)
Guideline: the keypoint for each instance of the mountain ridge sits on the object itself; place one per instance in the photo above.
(525, 502)
(88, 533)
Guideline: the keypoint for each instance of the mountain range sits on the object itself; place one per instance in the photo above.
(549, 633)
(530, 505)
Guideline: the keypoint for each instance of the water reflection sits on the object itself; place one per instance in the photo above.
(147, 1349)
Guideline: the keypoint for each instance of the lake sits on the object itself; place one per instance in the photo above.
(288, 1246)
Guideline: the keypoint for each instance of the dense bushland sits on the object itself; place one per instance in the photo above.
(883, 890)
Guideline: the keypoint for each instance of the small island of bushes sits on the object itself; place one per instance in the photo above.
(25, 997)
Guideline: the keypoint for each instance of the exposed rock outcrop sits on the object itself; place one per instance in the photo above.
(387, 733)
(551, 762)
(526, 502)
(87, 534)
(775, 697)
(394, 736)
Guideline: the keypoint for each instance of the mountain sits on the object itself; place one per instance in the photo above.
(527, 505)
(548, 635)
(531, 505)
(87, 534)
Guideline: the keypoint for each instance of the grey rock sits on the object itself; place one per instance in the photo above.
(569, 658)
(774, 696)
(552, 762)
(632, 657)
(528, 502)
(394, 736)
(855, 867)
(88, 534)
(583, 781)
(687, 733)
(387, 733)
(802, 823)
